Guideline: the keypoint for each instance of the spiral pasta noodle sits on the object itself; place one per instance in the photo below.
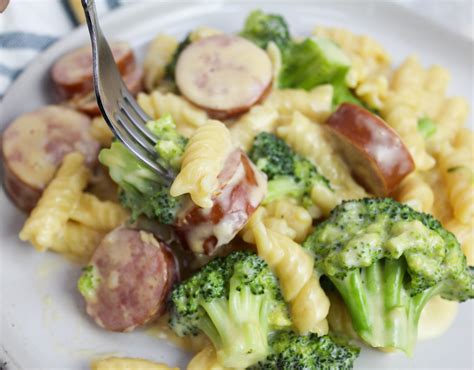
(186, 116)
(457, 169)
(159, 54)
(205, 359)
(315, 104)
(203, 160)
(126, 363)
(293, 266)
(259, 119)
(415, 192)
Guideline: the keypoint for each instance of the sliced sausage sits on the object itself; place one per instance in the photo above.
(72, 73)
(135, 274)
(224, 74)
(87, 103)
(242, 189)
(374, 151)
(34, 145)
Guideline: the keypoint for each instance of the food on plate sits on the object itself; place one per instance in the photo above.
(73, 81)
(128, 279)
(387, 261)
(35, 143)
(374, 151)
(223, 74)
(291, 224)
(125, 363)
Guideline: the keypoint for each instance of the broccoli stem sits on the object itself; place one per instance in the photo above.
(238, 327)
(383, 313)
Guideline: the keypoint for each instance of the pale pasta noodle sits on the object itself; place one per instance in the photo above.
(77, 240)
(126, 363)
(186, 116)
(287, 218)
(46, 222)
(203, 32)
(315, 104)
(415, 192)
(158, 56)
(311, 141)
(203, 159)
(101, 132)
(457, 168)
(97, 214)
(206, 359)
(260, 118)
(402, 110)
(294, 268)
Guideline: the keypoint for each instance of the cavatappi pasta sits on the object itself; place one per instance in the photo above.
(126, 363)
(203, 160)
(294, 267)
(158, 55)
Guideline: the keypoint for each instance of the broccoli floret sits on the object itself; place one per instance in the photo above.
(387, 261)
(170, 70)
(313, 62)
(141, 189)
(88, 282)
(288, 173)
(262, 28)
(308, 352)
(236, 302)
(426, 127)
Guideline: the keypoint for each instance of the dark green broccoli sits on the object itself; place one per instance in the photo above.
(387, 261)
(307, 352)
(426, 127)
(236, 302)
(141, 189)
(171, 67)
(262, 28)
(288, 173)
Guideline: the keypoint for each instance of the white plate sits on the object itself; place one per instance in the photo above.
(43, 324)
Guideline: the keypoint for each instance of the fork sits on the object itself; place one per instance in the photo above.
(119, 108)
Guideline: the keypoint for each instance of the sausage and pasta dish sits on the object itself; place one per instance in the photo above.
(322, 199)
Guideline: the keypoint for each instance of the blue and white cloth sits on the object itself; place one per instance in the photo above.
(29, 26)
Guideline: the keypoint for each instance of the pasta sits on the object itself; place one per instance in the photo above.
(203, 32)
(465, 235)
(309, 140)
(287, 218)
(260, 118)
(77, 241)
(101, 132)
(415, 192)
(47, 221)
(401, 110)
(315, 104)
(457, 169)
(186, 116)
(159, 54)
(294, 268)
(126, 363)
(97, 214)
(203, 160)
(205, 359)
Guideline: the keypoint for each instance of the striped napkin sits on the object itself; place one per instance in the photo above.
(29, 26)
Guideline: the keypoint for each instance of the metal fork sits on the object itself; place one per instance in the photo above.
(120, 109)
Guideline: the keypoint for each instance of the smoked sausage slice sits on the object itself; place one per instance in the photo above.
(72, 73)
(134, 274)
(223, 74)
(242, 189)
(374, 151)
(34, 145)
